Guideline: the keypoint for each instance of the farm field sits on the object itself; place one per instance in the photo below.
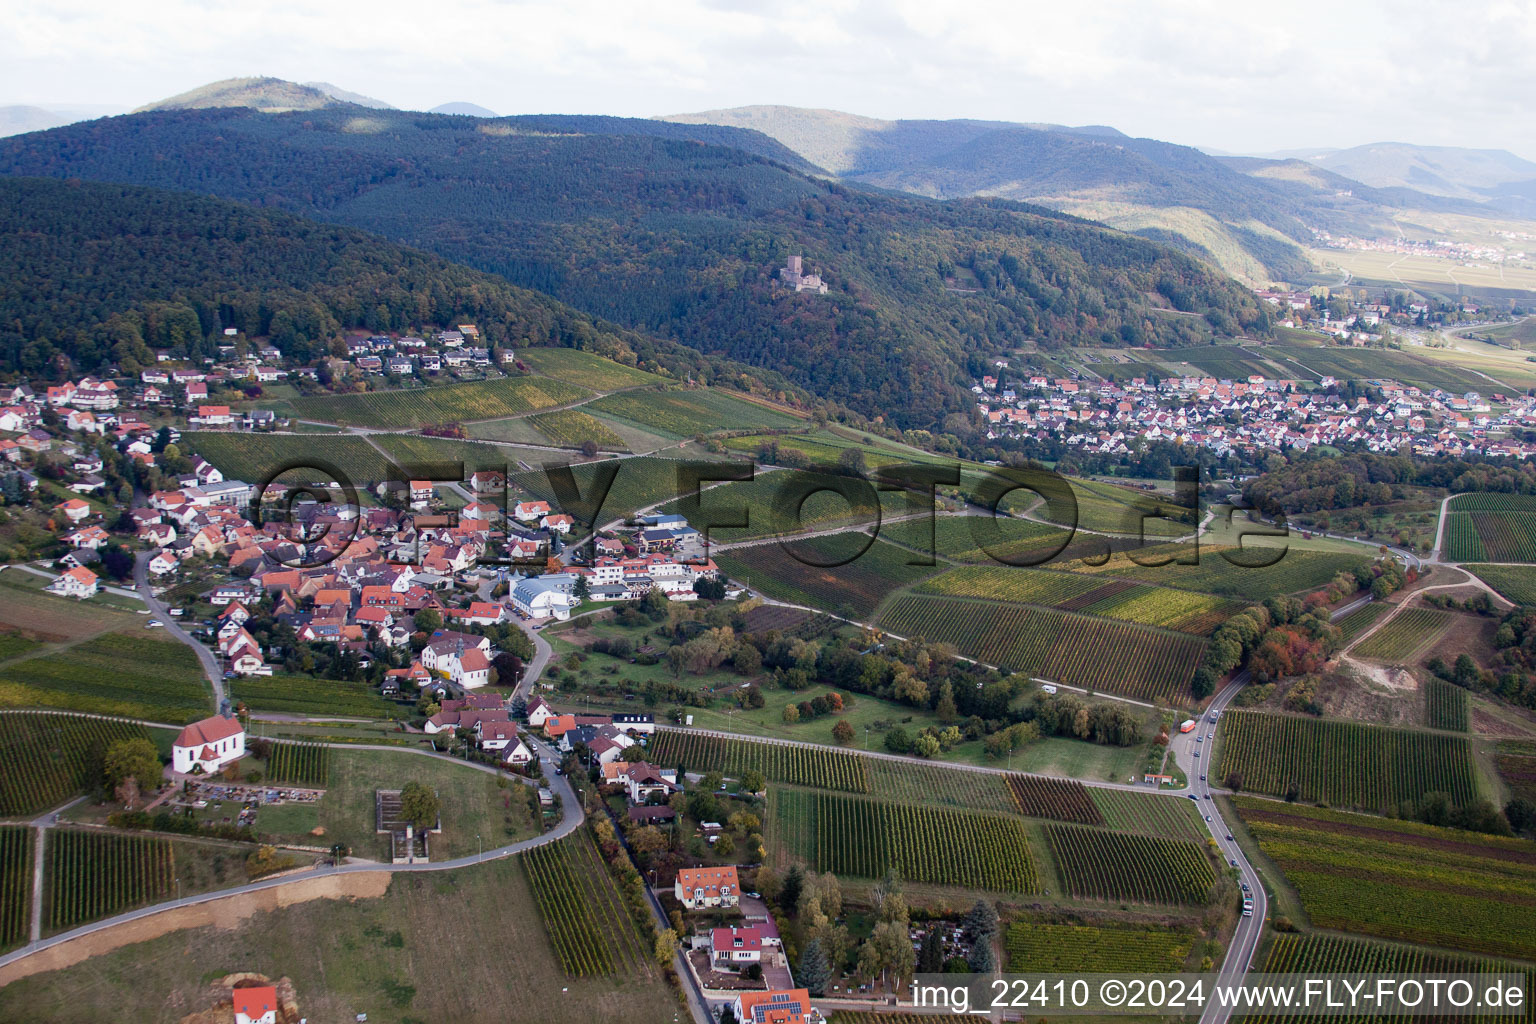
(302, 764)
(915, 782)
(1516, 582)
(1516, 765)
(1358, 364)
(446, 403)
(1180, 610)
(129, 674)
(31, 617)
(16, 846)
(1297, 569)
(46, 759)
(800, 766)
(1229, 361)
(1491, 528)
(571, 428)
(1058, 799)
(1447, 706)
(854, 589)
(638, 483)
(91, 875)
(573, 366)
(761, 498)
(1110, 508)
(1102, 865)
(863, 837)
(684, 413)
(255, 457)
(351, 952)
(1151, 814)
(307, 695)
(1413, 630)
(955, 537)
(1048, 948)
(588, 926)
(1340, 954)
(1065, 648)
(1358, 621)
(1344, 764)
(1402, 880)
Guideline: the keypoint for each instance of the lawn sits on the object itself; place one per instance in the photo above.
(473, 802)
(381, 956)
(29, 611)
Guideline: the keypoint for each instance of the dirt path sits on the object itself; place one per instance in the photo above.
(1470, 580)
(226, 913)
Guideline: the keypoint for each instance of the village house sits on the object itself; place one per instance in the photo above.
(786, 1006)
(79, 583)
(705, 888)
(255, 1005)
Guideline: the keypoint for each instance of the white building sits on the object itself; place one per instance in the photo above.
(210, 745)
(543, 597)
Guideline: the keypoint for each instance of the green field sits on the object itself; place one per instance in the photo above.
(957, 538)
(1152, 814)
(589, 928)
(1410, 632)
(585, 369)
(16, 848)
(1516, 582)
(803, 766)
(851, 835)
(916, 782)
(447, 403)
(793, 572)
(1377, 364)
(1447, 706)
(1066, 648)
(1358, 621)
(1047, 948)
(685, 413)
(1345, 764)
(1296, 570)
(130, 674)
(307, 695)
(1402, 880)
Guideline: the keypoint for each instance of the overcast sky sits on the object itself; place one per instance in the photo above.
(1227, 74)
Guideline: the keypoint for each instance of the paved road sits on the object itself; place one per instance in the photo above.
(571, 819)
(210, 663)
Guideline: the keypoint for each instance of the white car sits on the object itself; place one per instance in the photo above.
(153, 624)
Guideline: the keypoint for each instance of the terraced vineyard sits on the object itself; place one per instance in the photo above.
(447, 403)
(1337, 954)
(1059, 799)
(1491, 528)
(684, 413)
(584, 915)
(916, 782)
(302, 764)
(1047, 948)
(1413, 630)
(15, 885)
(1342, 763)
(1516, 582)
(1102, 865)
(1447, 706)
(863, 837)
(1151, 814)
(571, 428)
(91, 875)
(1074, 649)
(47, 759)
(824, 767)
(1402, 880)
(855, 588)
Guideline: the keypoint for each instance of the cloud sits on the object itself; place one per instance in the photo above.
(1235, 76)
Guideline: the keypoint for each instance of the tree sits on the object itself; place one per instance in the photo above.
(791, 714)
(981, 922)
(752, 781)
(926, 745)
(930, 959)
(982, 960)
(509, 668)
(789, 889)
(581, 589)
(842, 732)
(1235, 781)
(945, 708)
(815, 972)
(665, 947)
(428, 620)
(134, 759)
(647, 842)
(725, 846)
(117, 561)
(420, 805)
(713, 781)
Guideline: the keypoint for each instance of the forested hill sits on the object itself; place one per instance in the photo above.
(676, 237)
(101, 273)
